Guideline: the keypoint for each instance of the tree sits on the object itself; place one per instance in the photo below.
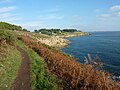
(70, 30)
(25, 30)
(36, 31)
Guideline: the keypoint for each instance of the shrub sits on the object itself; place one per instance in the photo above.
(8, 26)
(41, 79)
(7, 37)
(76, 76)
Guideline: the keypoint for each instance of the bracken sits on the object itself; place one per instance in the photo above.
(76, 76)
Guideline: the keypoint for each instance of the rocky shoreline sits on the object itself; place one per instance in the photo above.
(54, 41)
(59, 41)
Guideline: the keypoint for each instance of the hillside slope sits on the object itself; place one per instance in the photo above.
(10, 60)
(75, 75)
(47, 67)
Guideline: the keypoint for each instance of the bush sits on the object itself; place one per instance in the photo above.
(41, 79)
(75, 76)
(7, 37)
(8, 26)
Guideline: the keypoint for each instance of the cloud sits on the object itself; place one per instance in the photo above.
(111, 13)
(6, 14)
(12, 19)
(105, 15)
(50, 17)
(32, 25)
(109, 20)
(3, 1)
(7, 9)
(115, 8)
(8, 17)
(118, 13)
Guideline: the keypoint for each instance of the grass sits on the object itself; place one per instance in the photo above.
(40, 78)
(66, 34)
(9, 59)
(9, 65)
(32, 34)
(76, 76)
(7, 36)
(45, 72)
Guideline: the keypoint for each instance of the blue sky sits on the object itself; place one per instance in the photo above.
(85, 15)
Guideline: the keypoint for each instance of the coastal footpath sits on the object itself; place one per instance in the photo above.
(46, 67)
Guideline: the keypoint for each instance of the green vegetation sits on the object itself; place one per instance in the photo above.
(70, 30)
(25, 30)
(55, 31)
(9, 65)
(47, 63)
(7, 36)
(40, 78)
(76, 76)
(8, 26)
(9, 59)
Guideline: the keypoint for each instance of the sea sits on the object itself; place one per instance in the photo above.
(104, 44)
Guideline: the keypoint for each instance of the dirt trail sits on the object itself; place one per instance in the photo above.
(22, 81)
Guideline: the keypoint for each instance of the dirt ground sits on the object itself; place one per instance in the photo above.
(22, 81)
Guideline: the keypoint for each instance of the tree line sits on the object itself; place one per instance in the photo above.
(43, 31)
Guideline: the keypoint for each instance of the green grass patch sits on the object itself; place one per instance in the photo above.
(40, 78)
(10, 60)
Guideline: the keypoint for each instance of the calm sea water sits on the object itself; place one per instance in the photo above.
(105, 44)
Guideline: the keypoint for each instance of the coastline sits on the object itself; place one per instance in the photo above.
(65, 67)
(60, 41)
(57, 41)
(54, 41)
(52, 68)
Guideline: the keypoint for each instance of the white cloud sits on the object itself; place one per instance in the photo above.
(5, 15)
(12, 19)
(32, 25)
(50, 17)
(115, 8)
(7, 9)
(118, 13)
(112, 13)
(105, 15)
(8, 17)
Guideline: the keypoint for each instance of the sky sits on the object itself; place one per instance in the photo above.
(85, 15)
